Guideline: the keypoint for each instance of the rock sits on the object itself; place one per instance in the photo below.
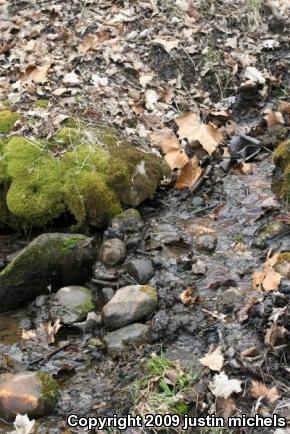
(206, 243)
(31, 393)
(95, 173)
(128, 221)
(93, 321)
(119, 340)
(107, 294)
(199, 267)
(281, 158)
(197, 201)
(141, 269)
(51, 259)
(283, 264)
(73, 304)
(130, 304)
(113, 252)
(41, 300)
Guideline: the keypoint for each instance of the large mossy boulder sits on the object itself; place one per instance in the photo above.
(282, 159)
(51, 260)
(90, 172)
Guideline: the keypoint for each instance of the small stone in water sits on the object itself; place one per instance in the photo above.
(141, 269)
(113, 252)
(107, 294)
(207, 243)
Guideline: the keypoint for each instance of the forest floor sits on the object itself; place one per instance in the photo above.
(205, 84)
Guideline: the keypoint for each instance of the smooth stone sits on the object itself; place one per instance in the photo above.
(113, 252)
(206, 243)
(107, 294)
(50, 260)
(31, 393)
(128, 221)
(73, 303)
(93, 321)
(131, 335)
(141, 270)
(130, 304)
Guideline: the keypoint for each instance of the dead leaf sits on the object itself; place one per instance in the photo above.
(151, 99)
(273, 118)
(213, 360)
(252, 74)
(23, 425)
(186, 296)
(284, 107)
(269, 279)
(168, 44)
(192, 129)
(36, 73)
(260, 390)
(189, 174)
(274, 333)
(90, 42)
(223, 387)
(71, 78)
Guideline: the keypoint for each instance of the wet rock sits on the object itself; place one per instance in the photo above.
(113, 252)
(199, 268)
(197, 201)
(119, 340)
(130, 304)
(92, 322)
(41, 300)
(31, 393)
(73, 303)
(129, 221)
(50, 260)
(141, 270)
(206, 243)
(107, 294)
(283, 264)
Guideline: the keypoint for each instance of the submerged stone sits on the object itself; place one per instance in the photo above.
(51, 259)
(130, 304)
(91, 173)
(31, 393)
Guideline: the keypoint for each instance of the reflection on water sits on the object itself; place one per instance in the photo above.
(10, 332)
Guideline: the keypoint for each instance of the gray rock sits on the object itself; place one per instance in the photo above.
(206, 243)
(73, 303)
(41, 300)
(50, 260)
(120, 340)
(130, 304)
(93, 321)
(31, 393)
(107, 294)
(197, 201)
(141, 269)
(129, 221)
(113, 252)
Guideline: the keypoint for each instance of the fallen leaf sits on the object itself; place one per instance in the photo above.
(151, 99)
(189, 174)
(284, 107)
(268, 279)
(168, 44)
(71, 78)
(213, 360)
(252, 74)
(260, 390)
(23, 425)
(274, 333)
(192, 129)
(223, 387)
(145, 79)
(273, 118)
(90, 42)
(36, 73)
(98, 81)
(186, 296)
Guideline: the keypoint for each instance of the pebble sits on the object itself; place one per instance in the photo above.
(107, 294)
(72, 304)
(113, 252)
(197, 201)
(141, 270)
(129, 221)
(120, 340)
(31, 393)
(130, 304)
(206, 243)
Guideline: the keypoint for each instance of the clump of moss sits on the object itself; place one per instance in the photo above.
(7, 121)
(281, 155)
(94, 175)
(49, 390)
(42, 103)
(86, 307)
(150, 291)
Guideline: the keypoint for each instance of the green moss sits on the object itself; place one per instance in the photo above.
(86, 307)
(281, 155)
(283, 257)
(7, 121)
(49, 390)
(42, 103)
(94, 175)
(69, 244)
(150, 291)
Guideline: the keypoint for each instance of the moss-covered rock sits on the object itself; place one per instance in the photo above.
(31, 393)
(90, 172)
(53, 260)
(72, 304)
(7, 120)
(281, 158)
